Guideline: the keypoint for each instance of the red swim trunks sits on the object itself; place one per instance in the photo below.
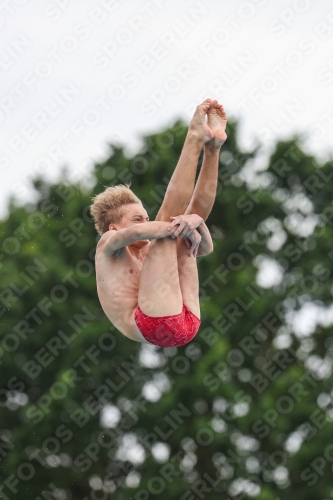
(168, 331)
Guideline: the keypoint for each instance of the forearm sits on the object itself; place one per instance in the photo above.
(153, 230)
(206, 245)
(112, 241)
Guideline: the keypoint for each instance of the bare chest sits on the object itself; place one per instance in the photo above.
(118, 280)
(118, 274)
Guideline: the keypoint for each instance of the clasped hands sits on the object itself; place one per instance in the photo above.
(186, 229)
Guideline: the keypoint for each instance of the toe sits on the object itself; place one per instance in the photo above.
(204, 105)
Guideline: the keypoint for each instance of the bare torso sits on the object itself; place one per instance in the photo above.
(118, 279)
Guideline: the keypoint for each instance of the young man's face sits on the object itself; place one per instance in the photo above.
(133, 213)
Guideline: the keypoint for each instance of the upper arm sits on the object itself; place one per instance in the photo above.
(115, 240)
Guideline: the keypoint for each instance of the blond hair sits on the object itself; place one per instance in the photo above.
(107, 206)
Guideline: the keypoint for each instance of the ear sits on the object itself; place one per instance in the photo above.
(112, 227)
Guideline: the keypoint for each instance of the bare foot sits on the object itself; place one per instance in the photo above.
(217, 122)
(198, 127)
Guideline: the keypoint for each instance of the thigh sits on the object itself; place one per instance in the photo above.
(159, 290)
(187, 267)
(188, 278)
(165, 215)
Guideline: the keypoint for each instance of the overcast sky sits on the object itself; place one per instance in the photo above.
(78, 74)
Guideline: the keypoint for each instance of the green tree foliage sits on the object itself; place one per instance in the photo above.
(244, 410)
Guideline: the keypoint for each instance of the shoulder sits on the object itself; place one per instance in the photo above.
(105, 241)
(105, 238)
(110, 244)
(102, 242)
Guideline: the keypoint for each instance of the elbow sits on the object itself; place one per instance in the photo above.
(210, 250)
(203, 253)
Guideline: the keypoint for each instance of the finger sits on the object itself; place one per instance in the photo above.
(173, 222)
(176, 224)
(173, 225)
(173, 233)
(181, 234)
(178, 230)
(188, 232)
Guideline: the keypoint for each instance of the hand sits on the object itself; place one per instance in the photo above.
(186, 224)
(195, 239)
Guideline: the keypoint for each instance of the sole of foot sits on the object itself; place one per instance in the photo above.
(217, 122)
(198, 127)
